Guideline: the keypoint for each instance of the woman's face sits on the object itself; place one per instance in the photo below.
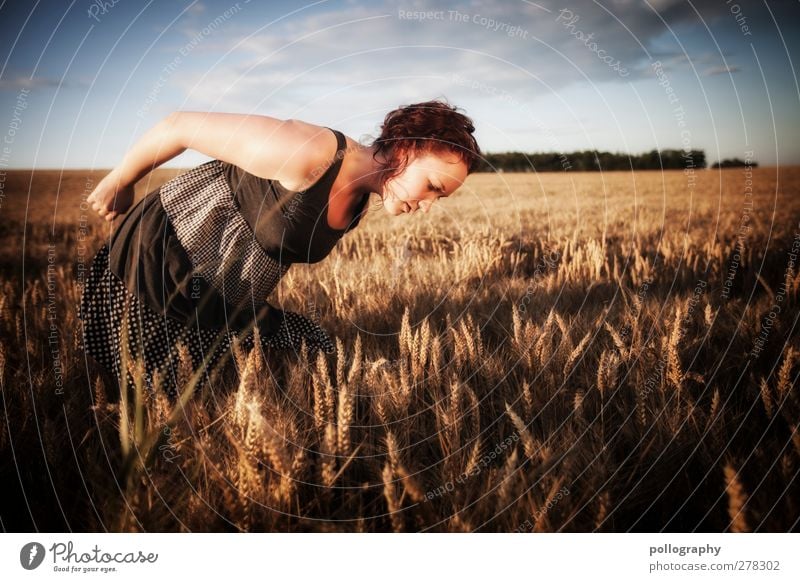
(425, 179)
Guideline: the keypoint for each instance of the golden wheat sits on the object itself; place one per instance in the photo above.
(737, 498)
(499, 345)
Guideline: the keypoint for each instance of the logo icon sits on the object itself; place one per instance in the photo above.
(31, 555)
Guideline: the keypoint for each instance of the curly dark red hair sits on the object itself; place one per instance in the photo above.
(419, 128)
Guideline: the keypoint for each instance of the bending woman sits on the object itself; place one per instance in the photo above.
(195, 260)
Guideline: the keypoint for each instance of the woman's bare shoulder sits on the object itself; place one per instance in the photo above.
(315, 148)
(288, 150)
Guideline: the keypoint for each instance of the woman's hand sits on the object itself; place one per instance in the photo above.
(111, 198)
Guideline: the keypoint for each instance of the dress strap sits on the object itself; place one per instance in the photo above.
(341, 144)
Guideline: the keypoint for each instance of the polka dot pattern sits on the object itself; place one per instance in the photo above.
(218, 240)
(111, 313)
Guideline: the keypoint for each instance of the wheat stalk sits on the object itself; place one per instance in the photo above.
(345, 418)
(454, 416)
(327, 401)
(527, 398)
(674, 370)
(784, 374)
(507, 481)
(475, 416)
(544, 344)
(274, 447)
(319, 404)
(405, 339)
(575, 354)
(641, 405)
(100, 401)
(355, 368)
(737, 498)
(424, 346)
(398, 469)
(390, 494)
(340, 357)
(766, 398)
(185, 366)
(708, 315)
(460, 347)
(474, 456)
(239, 355)
(577, 402)
(436, 358)
(603, 503)
(542, 521)
(528, 442)
(244, 392)
(328, 467)
(607, 372)
(795, 437)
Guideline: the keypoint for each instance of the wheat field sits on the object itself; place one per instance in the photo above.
(561, 352)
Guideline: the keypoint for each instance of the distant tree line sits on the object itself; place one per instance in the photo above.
(733, 163)
(589, 160)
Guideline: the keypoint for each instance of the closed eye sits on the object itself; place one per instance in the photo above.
(434, 189)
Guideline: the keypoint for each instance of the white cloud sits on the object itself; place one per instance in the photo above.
(720, 71)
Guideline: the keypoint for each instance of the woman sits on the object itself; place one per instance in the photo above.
(195, 260)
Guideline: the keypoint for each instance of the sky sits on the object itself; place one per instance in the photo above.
(81, 81)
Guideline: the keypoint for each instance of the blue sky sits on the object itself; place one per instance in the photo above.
(81, 81)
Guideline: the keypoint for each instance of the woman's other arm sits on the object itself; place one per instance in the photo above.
(114, 193)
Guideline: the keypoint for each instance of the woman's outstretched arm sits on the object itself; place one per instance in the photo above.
(284, 150)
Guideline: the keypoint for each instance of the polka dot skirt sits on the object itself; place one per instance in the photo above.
(221, 246)
(111, 314)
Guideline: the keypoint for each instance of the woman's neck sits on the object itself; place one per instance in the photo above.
(360, 170)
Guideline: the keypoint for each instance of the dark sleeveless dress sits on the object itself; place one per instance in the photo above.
(193, 263)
